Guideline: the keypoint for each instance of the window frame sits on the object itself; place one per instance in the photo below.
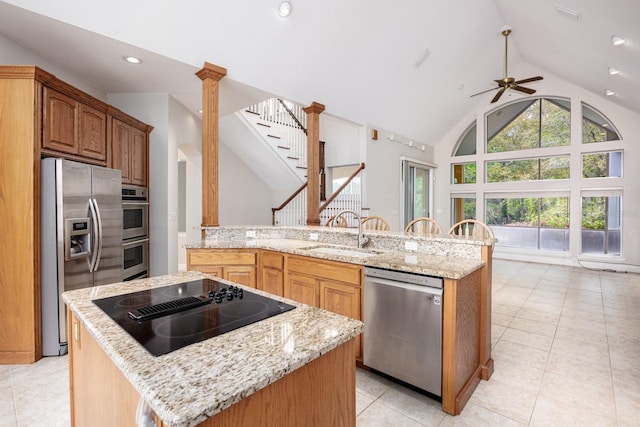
(573, 185)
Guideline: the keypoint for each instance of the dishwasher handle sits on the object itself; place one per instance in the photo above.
(401, 285)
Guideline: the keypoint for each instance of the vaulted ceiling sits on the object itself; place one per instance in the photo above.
(360, 57)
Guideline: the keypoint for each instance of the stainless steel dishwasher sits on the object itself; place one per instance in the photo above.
(403, 327)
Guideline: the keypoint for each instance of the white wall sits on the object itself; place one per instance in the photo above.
(341, 141)
(383, 173)
(627, 123)
(244, 198)
(185, 130)
(14, 54)
(350, 143)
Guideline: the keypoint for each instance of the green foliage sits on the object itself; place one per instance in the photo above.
(594, 212)
(470, 173)
(549, 212)
(556, 167)
(542, 124)
(595, 165)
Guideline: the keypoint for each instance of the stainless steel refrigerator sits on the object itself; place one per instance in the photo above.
(81, 238)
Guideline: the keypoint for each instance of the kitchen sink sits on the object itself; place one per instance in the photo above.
(347, 252)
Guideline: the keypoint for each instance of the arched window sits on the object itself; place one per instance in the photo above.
(525, 183)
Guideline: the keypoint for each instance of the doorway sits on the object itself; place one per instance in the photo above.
(416, 191)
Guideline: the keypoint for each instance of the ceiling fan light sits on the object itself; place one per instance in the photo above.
(609, 92)
(613, 71)
(618, 41)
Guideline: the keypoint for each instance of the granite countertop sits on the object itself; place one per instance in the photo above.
(445, 264)
(191, 384)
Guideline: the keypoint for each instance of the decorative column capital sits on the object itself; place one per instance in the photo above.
(211, 71)
(315, 107)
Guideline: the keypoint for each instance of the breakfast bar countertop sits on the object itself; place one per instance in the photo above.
(189, 385)
(440, 265)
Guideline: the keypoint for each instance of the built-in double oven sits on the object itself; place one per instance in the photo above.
(135, 232)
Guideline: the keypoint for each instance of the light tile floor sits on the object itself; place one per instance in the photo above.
(566, 345)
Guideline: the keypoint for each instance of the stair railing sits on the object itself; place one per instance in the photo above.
(293, 211)
(347, 196)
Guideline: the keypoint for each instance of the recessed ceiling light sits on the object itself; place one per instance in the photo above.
(200, 111)
(609, 92)
(285, 9)
(613, 71)
(617, 40)
(132, 59)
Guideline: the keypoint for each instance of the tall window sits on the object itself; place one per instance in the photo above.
(463, 206)
(601, 223)
(524, 175)
(530, 222)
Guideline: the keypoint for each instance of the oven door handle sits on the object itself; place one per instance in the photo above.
(135, 203)
(135, 242)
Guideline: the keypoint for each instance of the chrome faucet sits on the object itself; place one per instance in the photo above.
(362, 239)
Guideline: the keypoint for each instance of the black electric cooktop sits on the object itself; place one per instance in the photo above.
(165, 319)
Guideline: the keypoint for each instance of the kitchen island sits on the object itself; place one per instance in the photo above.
(323, 267)
(285, 370)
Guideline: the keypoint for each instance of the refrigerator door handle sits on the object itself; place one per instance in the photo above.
(94, 250)
(95, 267)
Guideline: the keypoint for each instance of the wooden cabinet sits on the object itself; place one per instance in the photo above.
(302, 288)
(341, 298)
(236, 265)
(39, 116)
(332, 286)
(130, 152)
(271, 272)
(97, 385)
(321, 392)
(73, 128)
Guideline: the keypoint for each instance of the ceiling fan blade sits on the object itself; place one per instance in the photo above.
(523, 89)
(498, 95)
(484, 91)
(530, 79)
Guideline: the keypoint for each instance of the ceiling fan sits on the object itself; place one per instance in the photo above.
(509, 82)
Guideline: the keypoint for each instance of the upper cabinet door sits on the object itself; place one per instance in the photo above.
(60, 122)
(71, 127)
(130, 152)
(139, 156)
(93, 133)
(120, 149)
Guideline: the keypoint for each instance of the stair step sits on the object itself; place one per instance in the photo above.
(274, 136)
(293, 158)
(283, 147)
(263, 124)
(252, 112)
(301, 167)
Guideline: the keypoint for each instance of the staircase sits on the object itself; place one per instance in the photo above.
(282, 125)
